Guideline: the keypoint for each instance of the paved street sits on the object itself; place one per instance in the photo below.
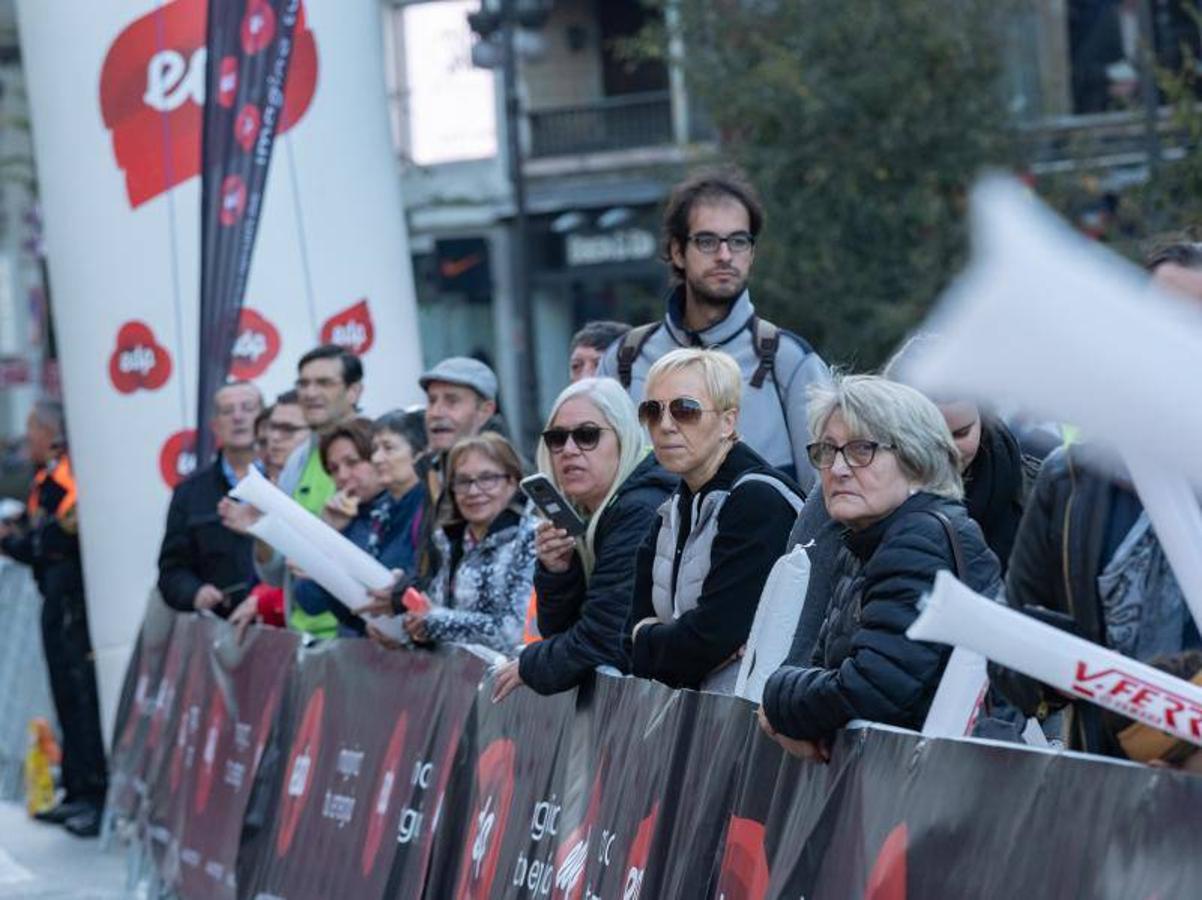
(43, 862)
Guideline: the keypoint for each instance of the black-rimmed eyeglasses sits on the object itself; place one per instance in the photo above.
(708, 242)
(857, 454)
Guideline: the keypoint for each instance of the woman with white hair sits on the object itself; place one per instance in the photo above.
(699, 575)
(594, 451)
(890, 474)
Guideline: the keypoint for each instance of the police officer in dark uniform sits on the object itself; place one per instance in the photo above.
(48, 542)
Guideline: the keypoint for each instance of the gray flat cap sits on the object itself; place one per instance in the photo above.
(465, 371)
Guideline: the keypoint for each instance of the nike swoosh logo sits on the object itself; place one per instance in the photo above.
(453, 268)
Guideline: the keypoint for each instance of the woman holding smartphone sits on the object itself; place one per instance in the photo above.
(595, 453)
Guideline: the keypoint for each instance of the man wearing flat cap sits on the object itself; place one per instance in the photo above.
(461, 401)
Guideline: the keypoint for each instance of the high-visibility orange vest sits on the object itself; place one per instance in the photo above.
(59, 472)
(530, 633)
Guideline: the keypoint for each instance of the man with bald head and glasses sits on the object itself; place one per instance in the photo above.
(710, 231)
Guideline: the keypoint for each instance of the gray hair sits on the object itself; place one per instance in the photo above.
(875, 408)
(620, 414)
(50, 414)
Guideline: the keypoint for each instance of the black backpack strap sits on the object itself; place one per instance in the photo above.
(765, 337)
(630, 348)
(954, 539)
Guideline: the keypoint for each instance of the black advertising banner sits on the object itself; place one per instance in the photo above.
(393, 775)
(139, 697)
(369, 734)
(228, 707)
(497, 833)
(249, 46)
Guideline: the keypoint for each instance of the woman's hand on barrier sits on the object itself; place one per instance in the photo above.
(237, 517)
(554, 547)
(244, 615)
(507, 680)
(815, 750)
(415, 625)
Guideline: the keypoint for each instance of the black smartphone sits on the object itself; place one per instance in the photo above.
(557, 510)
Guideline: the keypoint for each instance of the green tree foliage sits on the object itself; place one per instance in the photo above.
(863, 124)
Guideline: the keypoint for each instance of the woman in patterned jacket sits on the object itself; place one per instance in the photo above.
(486, 544)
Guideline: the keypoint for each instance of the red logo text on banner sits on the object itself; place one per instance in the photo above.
(378, 821)
(352, 328)
(887, 880)
(299, 774)
(139, 361)
(572, 856)
(177, 459)
(258, 27)
(210, 737)
(640, 854)
(152, 87)
(744, 874)
(494, 794)
(256, 347)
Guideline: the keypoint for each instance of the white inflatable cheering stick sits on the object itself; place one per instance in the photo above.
(1048, 322)
(954, 614)
(265, 496)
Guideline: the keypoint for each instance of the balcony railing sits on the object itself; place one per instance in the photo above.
(614, 123)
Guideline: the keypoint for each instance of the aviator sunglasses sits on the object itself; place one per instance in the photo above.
(585, 437)
(684, 411)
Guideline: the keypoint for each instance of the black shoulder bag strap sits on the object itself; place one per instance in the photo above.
(765, 338)
(954, 539)
(630, 348)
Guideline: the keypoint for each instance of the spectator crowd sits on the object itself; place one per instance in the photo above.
(693, 457)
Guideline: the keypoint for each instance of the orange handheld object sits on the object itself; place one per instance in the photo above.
(415, 601)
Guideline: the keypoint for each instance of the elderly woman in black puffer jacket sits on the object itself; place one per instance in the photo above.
(890, 475)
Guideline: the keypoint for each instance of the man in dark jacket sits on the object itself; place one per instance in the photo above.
(202, 564)
(583, 624)
(49, 543)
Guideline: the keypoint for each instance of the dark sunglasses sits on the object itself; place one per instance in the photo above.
(684, 411)
(585, 437)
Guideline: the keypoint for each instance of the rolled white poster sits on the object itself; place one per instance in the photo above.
(958, 699)
(278, 534)
(954, 614)
(265, 496)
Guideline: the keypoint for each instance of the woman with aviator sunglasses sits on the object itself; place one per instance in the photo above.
(594, 451)
(890, 475)
(700, 573)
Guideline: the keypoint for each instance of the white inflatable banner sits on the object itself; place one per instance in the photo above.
(266, 497)
(1048, 322)
(116, 93)
(954, 614)
(278, 534)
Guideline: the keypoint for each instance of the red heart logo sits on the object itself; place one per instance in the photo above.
(227, 83)
(233, 199)
(138, 361)
(258, 27)
(352, 328)
(153, 83)
(744, 874)
(177, 459)
(255, 348)
(246, 126)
